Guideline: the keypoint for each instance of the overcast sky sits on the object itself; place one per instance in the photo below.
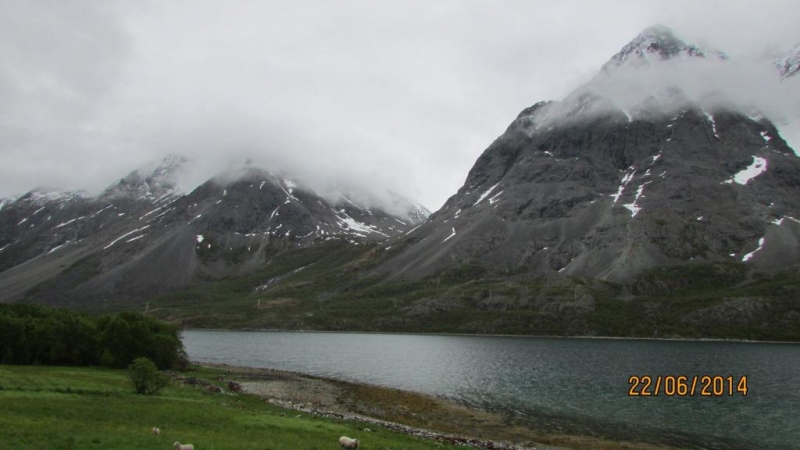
(401, 95)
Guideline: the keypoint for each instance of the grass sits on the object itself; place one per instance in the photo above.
(86, 408)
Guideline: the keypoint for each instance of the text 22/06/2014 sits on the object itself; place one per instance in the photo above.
(687, 385)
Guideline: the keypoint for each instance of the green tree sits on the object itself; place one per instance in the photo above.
(145, 377)
(37, 335)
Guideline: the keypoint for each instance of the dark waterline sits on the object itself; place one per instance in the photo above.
(551, 384)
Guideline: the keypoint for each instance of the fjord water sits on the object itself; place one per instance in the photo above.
(575, 386)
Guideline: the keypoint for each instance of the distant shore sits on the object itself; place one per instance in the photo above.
(409, 412)
(542, 336)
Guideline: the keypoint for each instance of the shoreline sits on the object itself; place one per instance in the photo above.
(412, 413)
(542, 336)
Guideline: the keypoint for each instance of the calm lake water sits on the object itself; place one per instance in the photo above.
(569, 385)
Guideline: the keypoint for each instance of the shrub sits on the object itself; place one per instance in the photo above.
(145, 376)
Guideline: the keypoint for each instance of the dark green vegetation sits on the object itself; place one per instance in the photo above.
(145, 377)
(335, 287)
(31, 334)
(87, 408)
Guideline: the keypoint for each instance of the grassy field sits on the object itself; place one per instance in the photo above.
(88, 408)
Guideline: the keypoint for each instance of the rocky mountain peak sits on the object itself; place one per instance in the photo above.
(42, 195)
(171, 164)
(658, 43)
(6, 201)
(151, 182)
(789, 65)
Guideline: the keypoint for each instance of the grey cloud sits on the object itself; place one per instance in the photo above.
(60, 60)
(401, 95)
(641, 89)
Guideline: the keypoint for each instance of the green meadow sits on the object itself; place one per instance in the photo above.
(97, 408)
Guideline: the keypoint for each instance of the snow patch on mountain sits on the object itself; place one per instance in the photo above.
(63, 224)
(625, 180)
(634, 206)
(485, 194)
(355, 227)
(493, 200)
(135, 238)
(57, 247)
(783, 219)
(713, 124)
(750, 255)
(125, 235)
(755, 169)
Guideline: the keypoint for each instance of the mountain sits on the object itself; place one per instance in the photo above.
(789, 65)
(144, 235)
(585, 187)
(658, 43)
(635, 206)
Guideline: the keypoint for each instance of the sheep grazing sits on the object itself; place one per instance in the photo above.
(178, 446)
(156, 431)
(346, 442)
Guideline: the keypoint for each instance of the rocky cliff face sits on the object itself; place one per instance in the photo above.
(592, 188)
(144, 236)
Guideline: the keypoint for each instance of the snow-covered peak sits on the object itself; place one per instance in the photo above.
(151, 182)
(658, 43)
(7, 201)
(171, 164)
(651, 77)
(40, 196)
(789, 64)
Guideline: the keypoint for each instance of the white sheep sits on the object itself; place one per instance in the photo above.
(346, 442)
(178, 446)
(156, 431)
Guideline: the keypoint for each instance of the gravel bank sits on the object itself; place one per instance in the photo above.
(407, 412)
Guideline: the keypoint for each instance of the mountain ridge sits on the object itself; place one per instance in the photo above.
(144, 235)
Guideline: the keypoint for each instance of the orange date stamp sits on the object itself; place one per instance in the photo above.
(687, 386)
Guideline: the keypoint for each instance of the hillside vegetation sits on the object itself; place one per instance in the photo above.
(336, 287)
(31, 334)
